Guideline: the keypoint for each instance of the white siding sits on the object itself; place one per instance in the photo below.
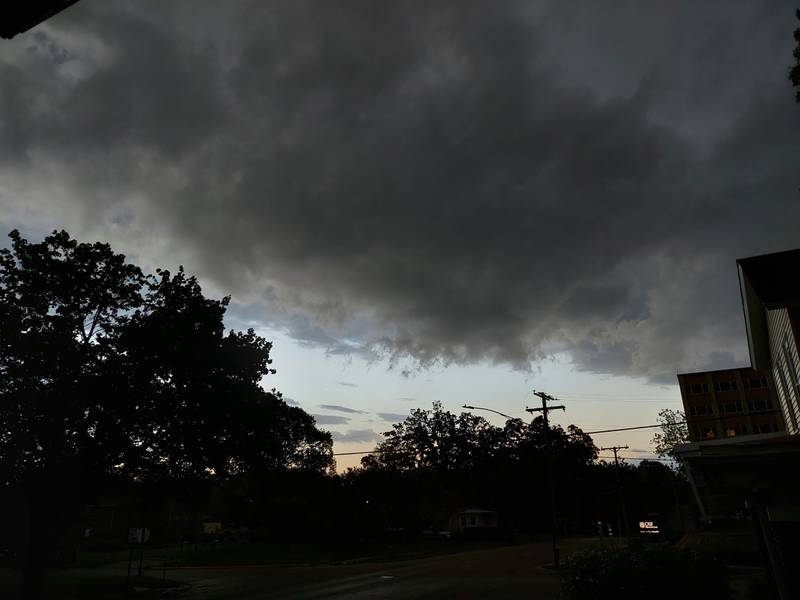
(785, 366)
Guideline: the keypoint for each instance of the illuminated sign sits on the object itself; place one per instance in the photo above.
(648, 527)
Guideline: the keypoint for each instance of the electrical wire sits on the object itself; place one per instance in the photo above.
(684, 422)
(599, 457)
(602, 400)
(600, 431)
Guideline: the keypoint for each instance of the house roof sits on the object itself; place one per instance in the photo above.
(18, 16)
(774, 277)
(728, 370)
(746, 445)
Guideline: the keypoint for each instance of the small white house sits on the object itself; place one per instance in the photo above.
(473, 520)
(212, 527)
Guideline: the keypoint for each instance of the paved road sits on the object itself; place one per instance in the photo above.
(507, 572)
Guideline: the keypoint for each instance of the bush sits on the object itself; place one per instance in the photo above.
(655, 572)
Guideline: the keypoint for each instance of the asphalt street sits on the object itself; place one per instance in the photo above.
(506, 572)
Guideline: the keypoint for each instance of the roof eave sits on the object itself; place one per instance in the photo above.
(755, 320)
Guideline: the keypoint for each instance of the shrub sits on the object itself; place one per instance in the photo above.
(655, 572)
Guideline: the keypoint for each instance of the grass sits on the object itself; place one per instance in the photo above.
(66, 585)
(299, 564)
(89, 560)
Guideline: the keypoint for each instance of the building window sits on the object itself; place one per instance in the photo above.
(725, 386)
(756, 405)
(707, 433)
(766, 427)
(697, 388)
(784, 388)
(734, 430)
(787, 356)
(731, 407)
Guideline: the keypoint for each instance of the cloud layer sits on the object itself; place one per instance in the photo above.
(443, 181)
(355, 436)
(344, 409)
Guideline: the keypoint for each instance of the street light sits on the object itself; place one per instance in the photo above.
(548, 459)
(497, 412)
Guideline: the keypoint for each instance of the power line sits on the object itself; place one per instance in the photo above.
(599, 431)
(617, 395)
(635, 458)
(684, 422)
(602, 400)
(363, 452)
(630, 428)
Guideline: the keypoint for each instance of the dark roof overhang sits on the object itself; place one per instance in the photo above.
(17, 16)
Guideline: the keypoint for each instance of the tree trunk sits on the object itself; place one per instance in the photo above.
(35, 555)
(51, 506)
(33, 573)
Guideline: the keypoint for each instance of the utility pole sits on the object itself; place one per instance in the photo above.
(545, 409)
(623, 514)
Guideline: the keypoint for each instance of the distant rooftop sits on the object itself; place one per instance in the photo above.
(728, 370)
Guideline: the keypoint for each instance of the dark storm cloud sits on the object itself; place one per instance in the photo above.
(356, 435)
(331, 419)
(343, 409)
(446, 181)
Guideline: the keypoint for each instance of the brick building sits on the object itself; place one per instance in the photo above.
(729, 403)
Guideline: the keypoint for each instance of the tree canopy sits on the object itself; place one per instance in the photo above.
(107, 370)
(674, 431)
(105, 367)
(439, 440)
(435, 462)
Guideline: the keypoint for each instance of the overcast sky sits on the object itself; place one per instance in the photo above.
(422, 201)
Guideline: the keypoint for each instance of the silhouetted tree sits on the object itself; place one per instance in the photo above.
(673, 432)
(438, 440)
(457, 460)
(106, 370)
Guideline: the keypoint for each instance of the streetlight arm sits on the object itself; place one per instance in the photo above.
(497, 412)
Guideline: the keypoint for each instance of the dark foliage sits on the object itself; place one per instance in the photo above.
(107, 371)
(436, 462)
(656, 572)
